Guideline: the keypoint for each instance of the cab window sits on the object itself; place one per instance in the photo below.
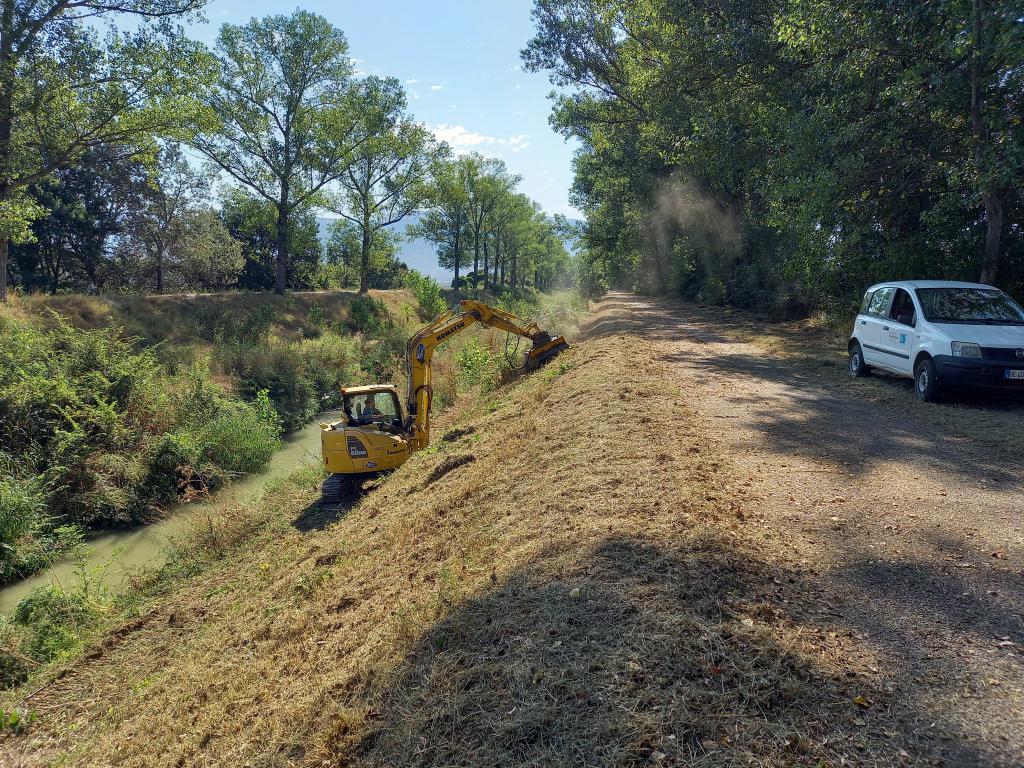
(903, 308)
(880, 302)
(379, 407)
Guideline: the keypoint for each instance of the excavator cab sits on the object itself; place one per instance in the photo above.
(368, 439)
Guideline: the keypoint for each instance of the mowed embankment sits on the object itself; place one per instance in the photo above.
(569, 576)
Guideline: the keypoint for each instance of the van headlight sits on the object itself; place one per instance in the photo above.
(966, 349)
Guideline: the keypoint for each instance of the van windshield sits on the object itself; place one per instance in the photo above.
(969, 305)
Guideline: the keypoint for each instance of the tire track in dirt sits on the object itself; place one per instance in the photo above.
(912, 526)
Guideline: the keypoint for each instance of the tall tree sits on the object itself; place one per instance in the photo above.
(386, 180)
(288, 127)
(446, 222)
(65, 88)
(488, 181)
(162, 227)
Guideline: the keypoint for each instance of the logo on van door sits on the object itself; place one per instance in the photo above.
(903, 338)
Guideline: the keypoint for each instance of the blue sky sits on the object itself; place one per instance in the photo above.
(459, 62)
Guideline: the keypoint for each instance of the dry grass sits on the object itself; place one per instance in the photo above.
(171, 317)
(586, 591)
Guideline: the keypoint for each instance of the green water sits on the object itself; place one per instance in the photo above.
(125, 549)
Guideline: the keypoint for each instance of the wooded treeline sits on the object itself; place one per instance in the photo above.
(783, 154)
(145, 161)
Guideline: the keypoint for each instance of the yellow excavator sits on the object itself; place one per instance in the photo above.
(373, 437)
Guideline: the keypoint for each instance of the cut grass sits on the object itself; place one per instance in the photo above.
(584, 592)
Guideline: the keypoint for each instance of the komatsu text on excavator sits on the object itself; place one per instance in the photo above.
(373, 437)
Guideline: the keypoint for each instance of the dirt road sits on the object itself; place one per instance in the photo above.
(907, 519)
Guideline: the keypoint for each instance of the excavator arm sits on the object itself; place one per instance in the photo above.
(421, 351)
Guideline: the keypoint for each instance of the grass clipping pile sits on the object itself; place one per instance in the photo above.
(559, 580)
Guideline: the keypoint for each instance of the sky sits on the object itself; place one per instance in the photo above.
(459, 63)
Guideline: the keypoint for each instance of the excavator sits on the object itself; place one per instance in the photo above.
(373, 436)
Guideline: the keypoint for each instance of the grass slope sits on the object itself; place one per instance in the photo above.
(561, 579)
(190, 318)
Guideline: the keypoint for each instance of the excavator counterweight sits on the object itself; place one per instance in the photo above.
(373, 436)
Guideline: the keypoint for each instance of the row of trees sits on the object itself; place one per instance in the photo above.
(478, 221)
(97, 192)
(785, 153)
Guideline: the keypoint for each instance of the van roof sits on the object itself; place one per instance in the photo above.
(929, 284)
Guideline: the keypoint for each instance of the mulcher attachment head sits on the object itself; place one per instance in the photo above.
(544, 348)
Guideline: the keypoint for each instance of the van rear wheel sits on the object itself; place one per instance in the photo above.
(926, 381)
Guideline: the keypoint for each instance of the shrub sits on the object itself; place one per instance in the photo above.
(427, 292)
(368, 315)
(53, 622)
(477, 366)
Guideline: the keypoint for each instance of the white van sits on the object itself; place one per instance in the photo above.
(942, 334)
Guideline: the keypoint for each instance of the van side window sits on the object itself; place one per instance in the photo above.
(903, 309)
(880, 302)
(864, 304)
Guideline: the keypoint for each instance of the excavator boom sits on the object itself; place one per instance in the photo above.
(422, 345)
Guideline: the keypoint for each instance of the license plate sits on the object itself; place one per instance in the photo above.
(1014, 374)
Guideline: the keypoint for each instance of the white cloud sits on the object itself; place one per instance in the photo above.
(411, 81)
(437, 87)
(463, 141)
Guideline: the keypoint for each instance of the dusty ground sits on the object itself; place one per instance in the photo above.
(668, 547)
(908, 517)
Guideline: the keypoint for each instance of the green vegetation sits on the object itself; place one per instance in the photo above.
(95, 433)
(783, 155)
(100, 430)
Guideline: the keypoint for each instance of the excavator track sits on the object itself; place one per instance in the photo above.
(337, 489)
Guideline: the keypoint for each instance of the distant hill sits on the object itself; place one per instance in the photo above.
(417, 254)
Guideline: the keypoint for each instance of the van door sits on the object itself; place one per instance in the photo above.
(871, 323)
(897, 338)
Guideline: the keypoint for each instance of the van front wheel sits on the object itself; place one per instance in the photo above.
(926, 381)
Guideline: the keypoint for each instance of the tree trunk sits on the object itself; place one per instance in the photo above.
(159, 269)
(364, 260)
(6, 125)
(512, 280)
(476, 259)
(458, 258)
(486, 273)
(4, 245)
(990, 261)
(281, 270)
(990, 197)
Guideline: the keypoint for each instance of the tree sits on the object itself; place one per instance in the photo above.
(284, 100)
(252, 221)
(64, 90)
(446, 221)
(162, 227)
(783, 155)
(87, 208)
(346, 249)
(386, 180)
(487, 182)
